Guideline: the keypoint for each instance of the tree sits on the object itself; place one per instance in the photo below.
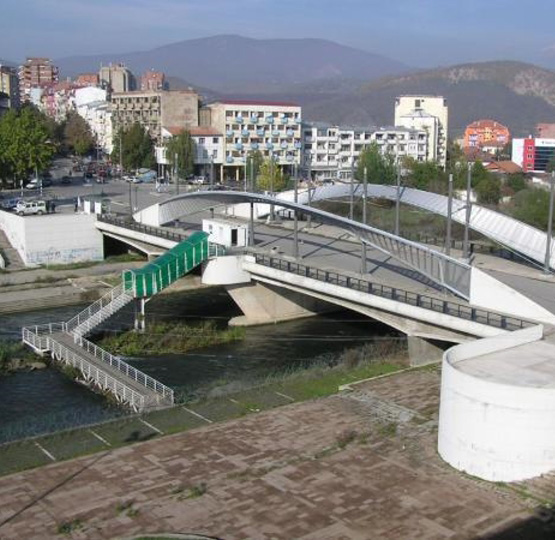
(271, 176)
(254, 162)
(488, 190)
(550, 164)
(24, 144)
(516, 181)
(77, 135)
(183, 147)
(532, 207)
(137, 148)
(424, 175)
(380, 168)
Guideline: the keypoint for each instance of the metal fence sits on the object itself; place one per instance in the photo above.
(145, 229)
(438, 305)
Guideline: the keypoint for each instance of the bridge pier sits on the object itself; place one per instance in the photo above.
(263, 303)
(424, 351)
(140, 322)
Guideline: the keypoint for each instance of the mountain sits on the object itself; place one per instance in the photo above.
(4, 62)
(229, 63)
(516, 94)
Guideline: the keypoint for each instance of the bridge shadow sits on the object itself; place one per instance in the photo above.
(540, 526)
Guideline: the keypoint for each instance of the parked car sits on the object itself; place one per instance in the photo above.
(10, 204)
(66, 180)
(25, 208)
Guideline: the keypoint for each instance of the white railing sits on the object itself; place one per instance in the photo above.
(36, 336)
(101, 378)
(103, 307)
(123, 367)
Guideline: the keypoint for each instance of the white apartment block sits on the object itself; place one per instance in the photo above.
(429, 113)
(331, 152)
(273, 128)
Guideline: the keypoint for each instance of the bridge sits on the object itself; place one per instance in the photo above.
(67, 344)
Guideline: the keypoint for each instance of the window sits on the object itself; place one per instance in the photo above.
(201, 140)
(215, 140)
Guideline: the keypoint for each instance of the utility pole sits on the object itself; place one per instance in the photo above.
(295, 217)
(364, 220)
(120, 154)
(466, 247)
(272, 216)
(211, 170)
(175, 173)
(449, 216)
(398, 200)
(549, 226)
(352, 195)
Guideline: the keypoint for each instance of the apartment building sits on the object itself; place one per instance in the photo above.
(486, 135)
(153, 80)
(428, 113)
(332, 152)
(273, 128)
(34, 73)
(87, 79)
(116, 78)
(9, 85)
(154, 109)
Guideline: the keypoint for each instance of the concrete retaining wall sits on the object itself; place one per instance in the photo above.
(53, 239)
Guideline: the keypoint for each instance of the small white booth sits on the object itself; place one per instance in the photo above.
(226, 233)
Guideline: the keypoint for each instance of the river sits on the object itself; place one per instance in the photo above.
(45, 401)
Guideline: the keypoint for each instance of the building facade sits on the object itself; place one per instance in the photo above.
(87, 79)
(272, 128)
(153, 80)
(155, 109)
(9, 85)
(428, 113)
(34, 73)
(533, 154)
(487, 135)
(116, 78)
(332, 152)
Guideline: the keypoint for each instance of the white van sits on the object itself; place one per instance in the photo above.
(26, 208)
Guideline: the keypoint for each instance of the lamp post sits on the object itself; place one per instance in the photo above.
(549, 225)
(466, 246)
(449, 216)
(211, 170)
(398, 200)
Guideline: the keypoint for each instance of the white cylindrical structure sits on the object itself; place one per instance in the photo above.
(497, 408)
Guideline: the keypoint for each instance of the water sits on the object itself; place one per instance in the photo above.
(44, 401)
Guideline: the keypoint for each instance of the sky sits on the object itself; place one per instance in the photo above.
(420, 33)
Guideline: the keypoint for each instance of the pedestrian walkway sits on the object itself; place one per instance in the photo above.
(11, 257)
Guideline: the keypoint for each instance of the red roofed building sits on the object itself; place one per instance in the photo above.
(153, 80)
(487, 135)
(87, 79)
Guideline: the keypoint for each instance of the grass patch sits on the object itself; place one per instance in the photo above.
(15, 356)
(20, 456)
(174, 420)
(125, 432)
(69, 527)
(70, 444)
(114, 259)
(169, 338)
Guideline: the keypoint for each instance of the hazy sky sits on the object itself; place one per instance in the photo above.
(421, 33)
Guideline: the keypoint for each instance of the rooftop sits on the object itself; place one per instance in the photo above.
(256, 103)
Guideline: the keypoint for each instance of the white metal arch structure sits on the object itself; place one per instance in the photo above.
(443, 270)
(507, 231)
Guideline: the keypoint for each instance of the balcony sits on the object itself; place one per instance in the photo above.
(229, 133)
(239, 119)
(260, 132)
(254, 119)
(229, 159)
(238, 146)
(275, 133)
(284, 145)
(290, 157)
(290, 133)
(269, 119)
(245, 132)
(284, 120)
(254, 146)
(298, 145)
(269, 146)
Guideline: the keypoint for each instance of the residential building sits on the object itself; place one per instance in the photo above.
(209, 150)
(4, 103)
(533, 154)
(154, 109)
(331, 152)
(487, 135)
(34, 73)
(116, 78)
(98, 115)
(503, 167)
(9, 85)
(545, 131)
(428, 113)
(153, 80)
(87, 79)
(273, 128)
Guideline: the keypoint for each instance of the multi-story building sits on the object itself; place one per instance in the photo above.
(4, 103)
(87, 79)
(116, 78)
(209, 153)
(331, 152)
(429, 113)
(486, 135)
(34, 73)
(533, 154)
(153, 80)
(154, 109)
(91, 104)
(273, 128)
(9, 85)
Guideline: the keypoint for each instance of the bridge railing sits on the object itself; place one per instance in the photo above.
(141, 378)
(37, 335)
(96, 307)
(105, 381)
(145, 229)
(431, 303)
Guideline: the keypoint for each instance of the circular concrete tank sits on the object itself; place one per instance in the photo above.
(497, 407)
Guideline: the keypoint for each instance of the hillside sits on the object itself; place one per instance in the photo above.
(229, 63)
(516, 94)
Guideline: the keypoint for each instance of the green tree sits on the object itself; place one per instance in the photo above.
(183, 147)
(77, 135)
(271, 176)
(516, 181)
(532, 207)
(254, 162)
(380, 167)
(137, 148)
(425, 175)
(24, 144)
(550, 164)
(488, 190)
